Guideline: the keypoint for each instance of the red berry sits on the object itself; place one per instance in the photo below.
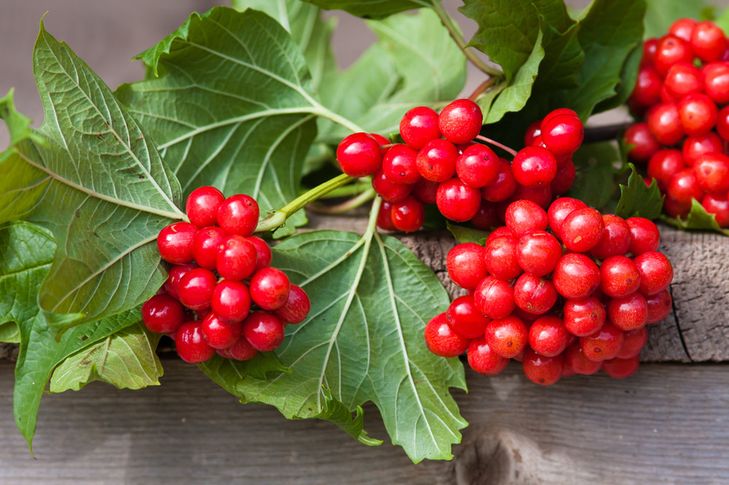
(419, 126)
(483, 359)
(583, 316)
(206, 244)
(436, 161)
(676, 208)
(619, 276)
(712, 172)
(615, 238)
(640, 142)
(486, 217)
(655, 272)
(533, 132)
(501, 259)
(719, 206)
(359, 155)
(190, 344)
(407, 215)
(633, 342)
(524, 216)
(647, 91)
(604, 344)
(548, 336)
(621, 368)
(263, 252)
(659, 306)
(263, 331)
(465, 319)
(684, 186)
(538, 252)
(196, 288)
(534, 166)
(664, 122)
(534, 295)
(576, 276)
(540, 369)
(650, 46)
(507, 336)
(708, 41)
(175, 242)
(681, 79)
(478, 166)
(442, 340)
(663, 164)
(671, 50)
(297, 306)
(494, 298)
(683, 28)
(722, 123)
(559, 210)
(231, 301)
(202, 206)
(698, 113)
(582, 229)
(644, 235)
(716, 81)
(236, 258)
(457, 201)
(575, 360)
(218, 333)
(504, 186)
(426, 191)
(162, 314)
(628, 312)
(174, 277)
(380, 139)
(460, 121)
(562, 134)
(466, 265)
(241, 350)
(269, 288)
(501, 231)
(564, 179)
(697, 145)
(238, 215)
(389, 190)
(399, 165)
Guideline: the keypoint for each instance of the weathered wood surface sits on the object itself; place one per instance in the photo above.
(667, 424)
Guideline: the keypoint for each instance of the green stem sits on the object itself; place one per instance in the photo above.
(278, 218)
(455, 34)
(347, 205)
(361, 185)
(324, 112)
(372, 223)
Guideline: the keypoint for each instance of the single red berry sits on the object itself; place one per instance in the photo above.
(583, 316)
(671, 50)
(465, 319)
(538, 252)
(206, 245)
(708, 41)
(559, 210)
(697, 145)
(478, 166)
(534, 166)
(647, 91)
(542, 370)
(486, 217)
(162, 314)
(716, 81)
(683, 28)
(231, 301)
(548, 336)
(684, 186)
(663, 164)
(539, 194)
(436, 161)
(241, 350)
(562, 134)
(504, 186)
(664, 122)
(501, 231)
(575, 359)
(238, 215)
(426, 191)
(534, 295)
(483, 359)
(174, 276)
(219, 333)
(640, 142)
(564, 179)
(524, 216)
(389, 190)
(660, 306)
(407, 215)
(644, 235)
(269, 288)
(175, 242)
(196, 288)
(722, 123)
(559, 112)
(628, 312)
(698, 113)
(682, 79)
(615, 239)
(494, 298)
(576, 276)
(650, 46)
(712, 172)
(457, 201)
(500, 257)
(582, 229)
(297, 306)
(236, 258)
(419, 126)
(604, 344)
(399, 164)
(442, 340)
(507, 336)
(460, 121)
(633, 343)
(533, 132)
(621, 368)
(718, 205)
(359, 155)
(263, 331)
(676, 208)
(202, 206)
(466, 265)
(263, 252)
(191, 345)
(619, 276)
(655, 272)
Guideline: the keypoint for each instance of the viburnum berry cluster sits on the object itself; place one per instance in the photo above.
(441, 161)
(565, 291)
(221, 295)
(682, 94)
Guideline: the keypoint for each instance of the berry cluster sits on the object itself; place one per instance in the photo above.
(221, 295)
(682, 94)
(441, 163)
(569, 301)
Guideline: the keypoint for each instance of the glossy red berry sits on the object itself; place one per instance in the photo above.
(534, 166)
(583, 316)
(231, 301)
(507, 336)
(219, 333)
(533, 132)
(174, 277)
(575, 360)
(426, 191)
(716, 81)
(534, 295)
(559, 210)
(633, 343)
(460, 121)
(525, 216)
(664, 122)
(698, 113)
(712, 172)
(615, 238)
(442, 340)
(399, 164)
(191, 345)
(263, 252)
(162, 314)
(718, 205)
(628, 312)
(389, 190)
(548, 336)
(619, 276)
(660, 306)
(195, 290)
(465, 319)
(640, 142)
(501, 258)
(466, 265)
(359, 155)
(655, 270)
(697, 145)
(664, 164)
(722, 123)
(538, 252)
(175, 242)
(683, 28)
(562, 134)
(494, 298)
(297, 306)
(650, 46)
(263, 331)
(269, 288)
(564, 179)
(504, 186)
(684, 187)
(576, 276)
(647, 91)
(238, 215)
(457, 201)
(482, 358)
(202, 206)
(582, 229)
(669, 51)
(407, 215)
(604, 344)
(419, 126)
(644, 235)
(206, 245)
(436, 161)
(542, 370)
(236, 258)
(708, 41)
(621, 368)
(681, 79)
(241, 350)
(478, 166)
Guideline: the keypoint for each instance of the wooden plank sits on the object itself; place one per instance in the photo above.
(651, 428)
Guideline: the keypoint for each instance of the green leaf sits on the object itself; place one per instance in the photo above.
(105, 191)
(226, 372)
(595, 173)
(638, 199)
(126, 360)
(363, 341)
(697, 219)
(337, 413)
(371, 9)
(660, 14)
(24, 262)
(9, 333)
(628, 78)
(464, 234)
(722, 20)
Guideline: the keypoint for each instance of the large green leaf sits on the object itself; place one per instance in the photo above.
(595, 173)
(126, 360)
(637, 198)
(24, 262)
(371, 8)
